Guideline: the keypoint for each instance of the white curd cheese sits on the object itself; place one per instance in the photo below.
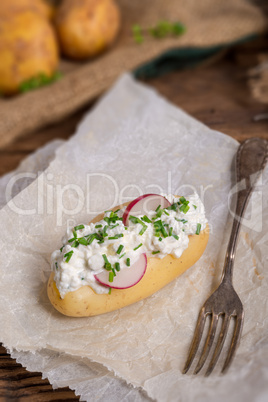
(87, 249)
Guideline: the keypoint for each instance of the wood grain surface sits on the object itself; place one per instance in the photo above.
(216, 94)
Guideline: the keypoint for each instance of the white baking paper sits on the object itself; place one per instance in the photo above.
(89, 380)
(134, 141)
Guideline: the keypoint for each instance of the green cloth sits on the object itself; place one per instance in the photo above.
(182, 58)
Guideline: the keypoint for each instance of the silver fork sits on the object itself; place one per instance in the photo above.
(250, 161)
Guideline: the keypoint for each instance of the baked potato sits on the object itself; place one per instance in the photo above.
(85, 28)
(85, 302)
(28, 47)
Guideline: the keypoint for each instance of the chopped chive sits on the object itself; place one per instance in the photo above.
(157, 209)
(110, 291)
(160, 239)
(136, 248)
(128, 262)
(74, 233)
(195, 207)
(82, 240)
(82, 279)
(198, 228)
(104, 256)
(61, 249)
(39, 81)
(170, 231)
(114, 226)
(136, 220)
(155, 252)
(117, 210)
(79, 227)
(121, 256)
(184, 207)
(91, 238)
(166, 212)
(182, 200)
(117, 266)
(133, 219)
(115, 237)
(143, 229)
(172, 207)
(71, 240)
(159, 227)
(56, 265)
(175, 236)
(163, 231)
(111, 276)
(120, 248)
(75, 243)
(113, 270)
(68, 256)
(107, 265)
(98, 226)
(105, 230)
(146, 219)
(157, 224)
(159, 213)
(181, 220)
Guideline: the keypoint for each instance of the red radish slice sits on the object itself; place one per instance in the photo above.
(127, 277)
(143, 204)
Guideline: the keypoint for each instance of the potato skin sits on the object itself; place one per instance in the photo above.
(86, 28)
(84, 302)
(28, 47)
(9, 8)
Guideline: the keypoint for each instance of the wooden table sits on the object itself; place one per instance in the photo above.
(216, 94)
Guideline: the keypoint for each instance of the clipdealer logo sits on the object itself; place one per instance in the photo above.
(49, 197)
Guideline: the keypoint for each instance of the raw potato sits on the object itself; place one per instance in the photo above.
(28, 47)
(86, 27)
(84, 302)
(9, 8)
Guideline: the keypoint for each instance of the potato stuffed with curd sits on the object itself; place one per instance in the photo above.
(127, 254)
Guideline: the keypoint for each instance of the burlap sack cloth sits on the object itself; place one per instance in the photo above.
(209, 23)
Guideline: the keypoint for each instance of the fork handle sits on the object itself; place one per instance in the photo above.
(250, 161)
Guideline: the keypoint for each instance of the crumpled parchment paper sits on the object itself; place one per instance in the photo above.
(89, 380)
(135, 141)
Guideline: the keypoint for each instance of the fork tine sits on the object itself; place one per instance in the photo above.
(196, 339)
(209, 342)
(219, 345)
(234, 343)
